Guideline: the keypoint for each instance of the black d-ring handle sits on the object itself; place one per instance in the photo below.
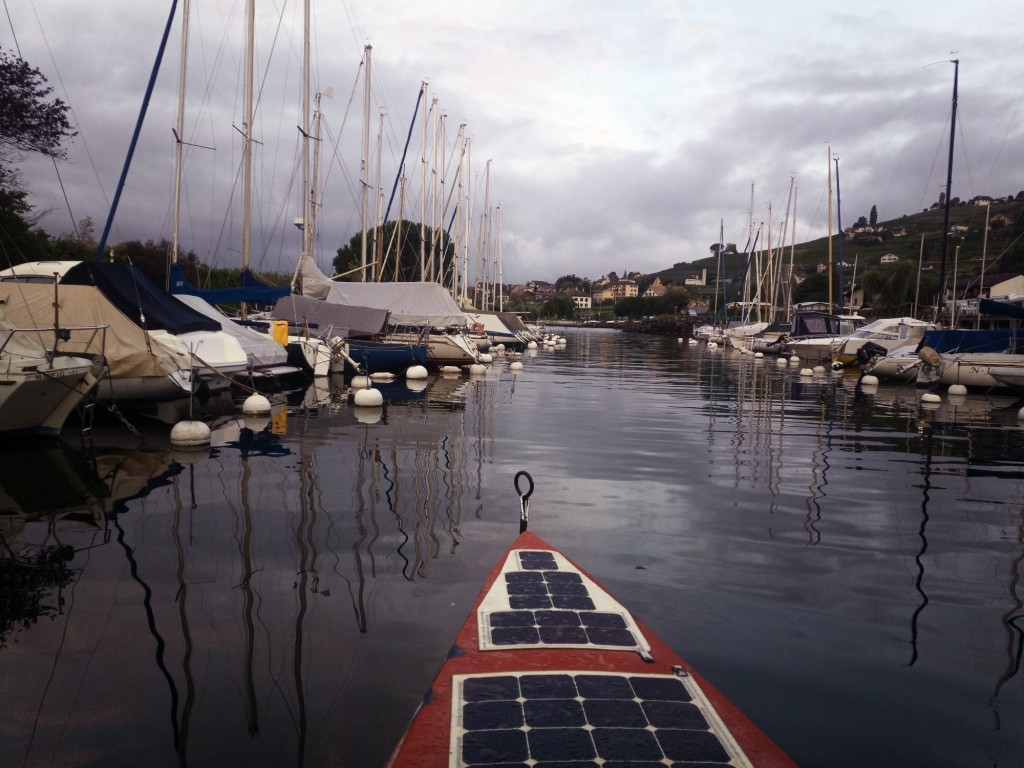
(519, 474)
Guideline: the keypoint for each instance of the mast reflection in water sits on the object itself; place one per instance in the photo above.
(837, 561)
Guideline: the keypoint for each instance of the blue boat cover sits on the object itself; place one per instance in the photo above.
(251, 290)
(949, 340)
(1001, 309)
(138, 298)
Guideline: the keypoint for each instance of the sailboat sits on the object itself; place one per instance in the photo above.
(424, 321)
(156, 348)
(269, 363)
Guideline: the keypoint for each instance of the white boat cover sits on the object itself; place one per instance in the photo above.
(260, 348)
(409, 303)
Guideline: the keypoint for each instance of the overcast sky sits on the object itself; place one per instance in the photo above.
(620, 132)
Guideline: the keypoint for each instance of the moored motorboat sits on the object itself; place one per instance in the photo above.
(550, 669)
(39, 388)
(888, 333)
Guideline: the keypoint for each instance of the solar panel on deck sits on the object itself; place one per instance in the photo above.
(576, 719)
(541, 599)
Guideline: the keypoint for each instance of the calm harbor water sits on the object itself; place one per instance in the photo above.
(844, 566)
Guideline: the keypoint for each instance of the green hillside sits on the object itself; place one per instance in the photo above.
(902, 237)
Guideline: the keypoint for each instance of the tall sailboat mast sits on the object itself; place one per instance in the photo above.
(250, 44)
(949, 185)
(829, 162)
(501, 271)
(367, 55)
(792, 248)
(839, 227)
(307, 243)
(179, 133)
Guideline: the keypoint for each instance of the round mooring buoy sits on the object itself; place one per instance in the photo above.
(930, 397)
(477, 370)
(368, 398)
(256, 405)
(957, 389)
(806, 372)
(416, 372)
(869, 381)
(361, 382)
(486, 357)
(794, 360)
(781, 361)
(531, 345)
(190, 434)
(759, 355)
(515, 366)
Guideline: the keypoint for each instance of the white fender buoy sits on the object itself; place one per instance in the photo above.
(957, 389)
(477, 370)
(781, 361)
(190, 434)
(382, 376)
(794, 360)
(415, 372)
(531, 345)
(515, 366)
(819, 369)
(368, 398)
(486, 358)
(869, 381)
(360, 382)
(759, 355)
(930, 397)
(806, 372)
(256, 405)
(450, 369)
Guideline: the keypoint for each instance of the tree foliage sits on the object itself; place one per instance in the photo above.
(559, 308)
(29, 120)
(640, 306)
(348, 260)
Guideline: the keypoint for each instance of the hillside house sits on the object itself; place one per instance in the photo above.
(582, 302)
(656, 289)
(623, 289)
(701, 279)
(890, 258)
